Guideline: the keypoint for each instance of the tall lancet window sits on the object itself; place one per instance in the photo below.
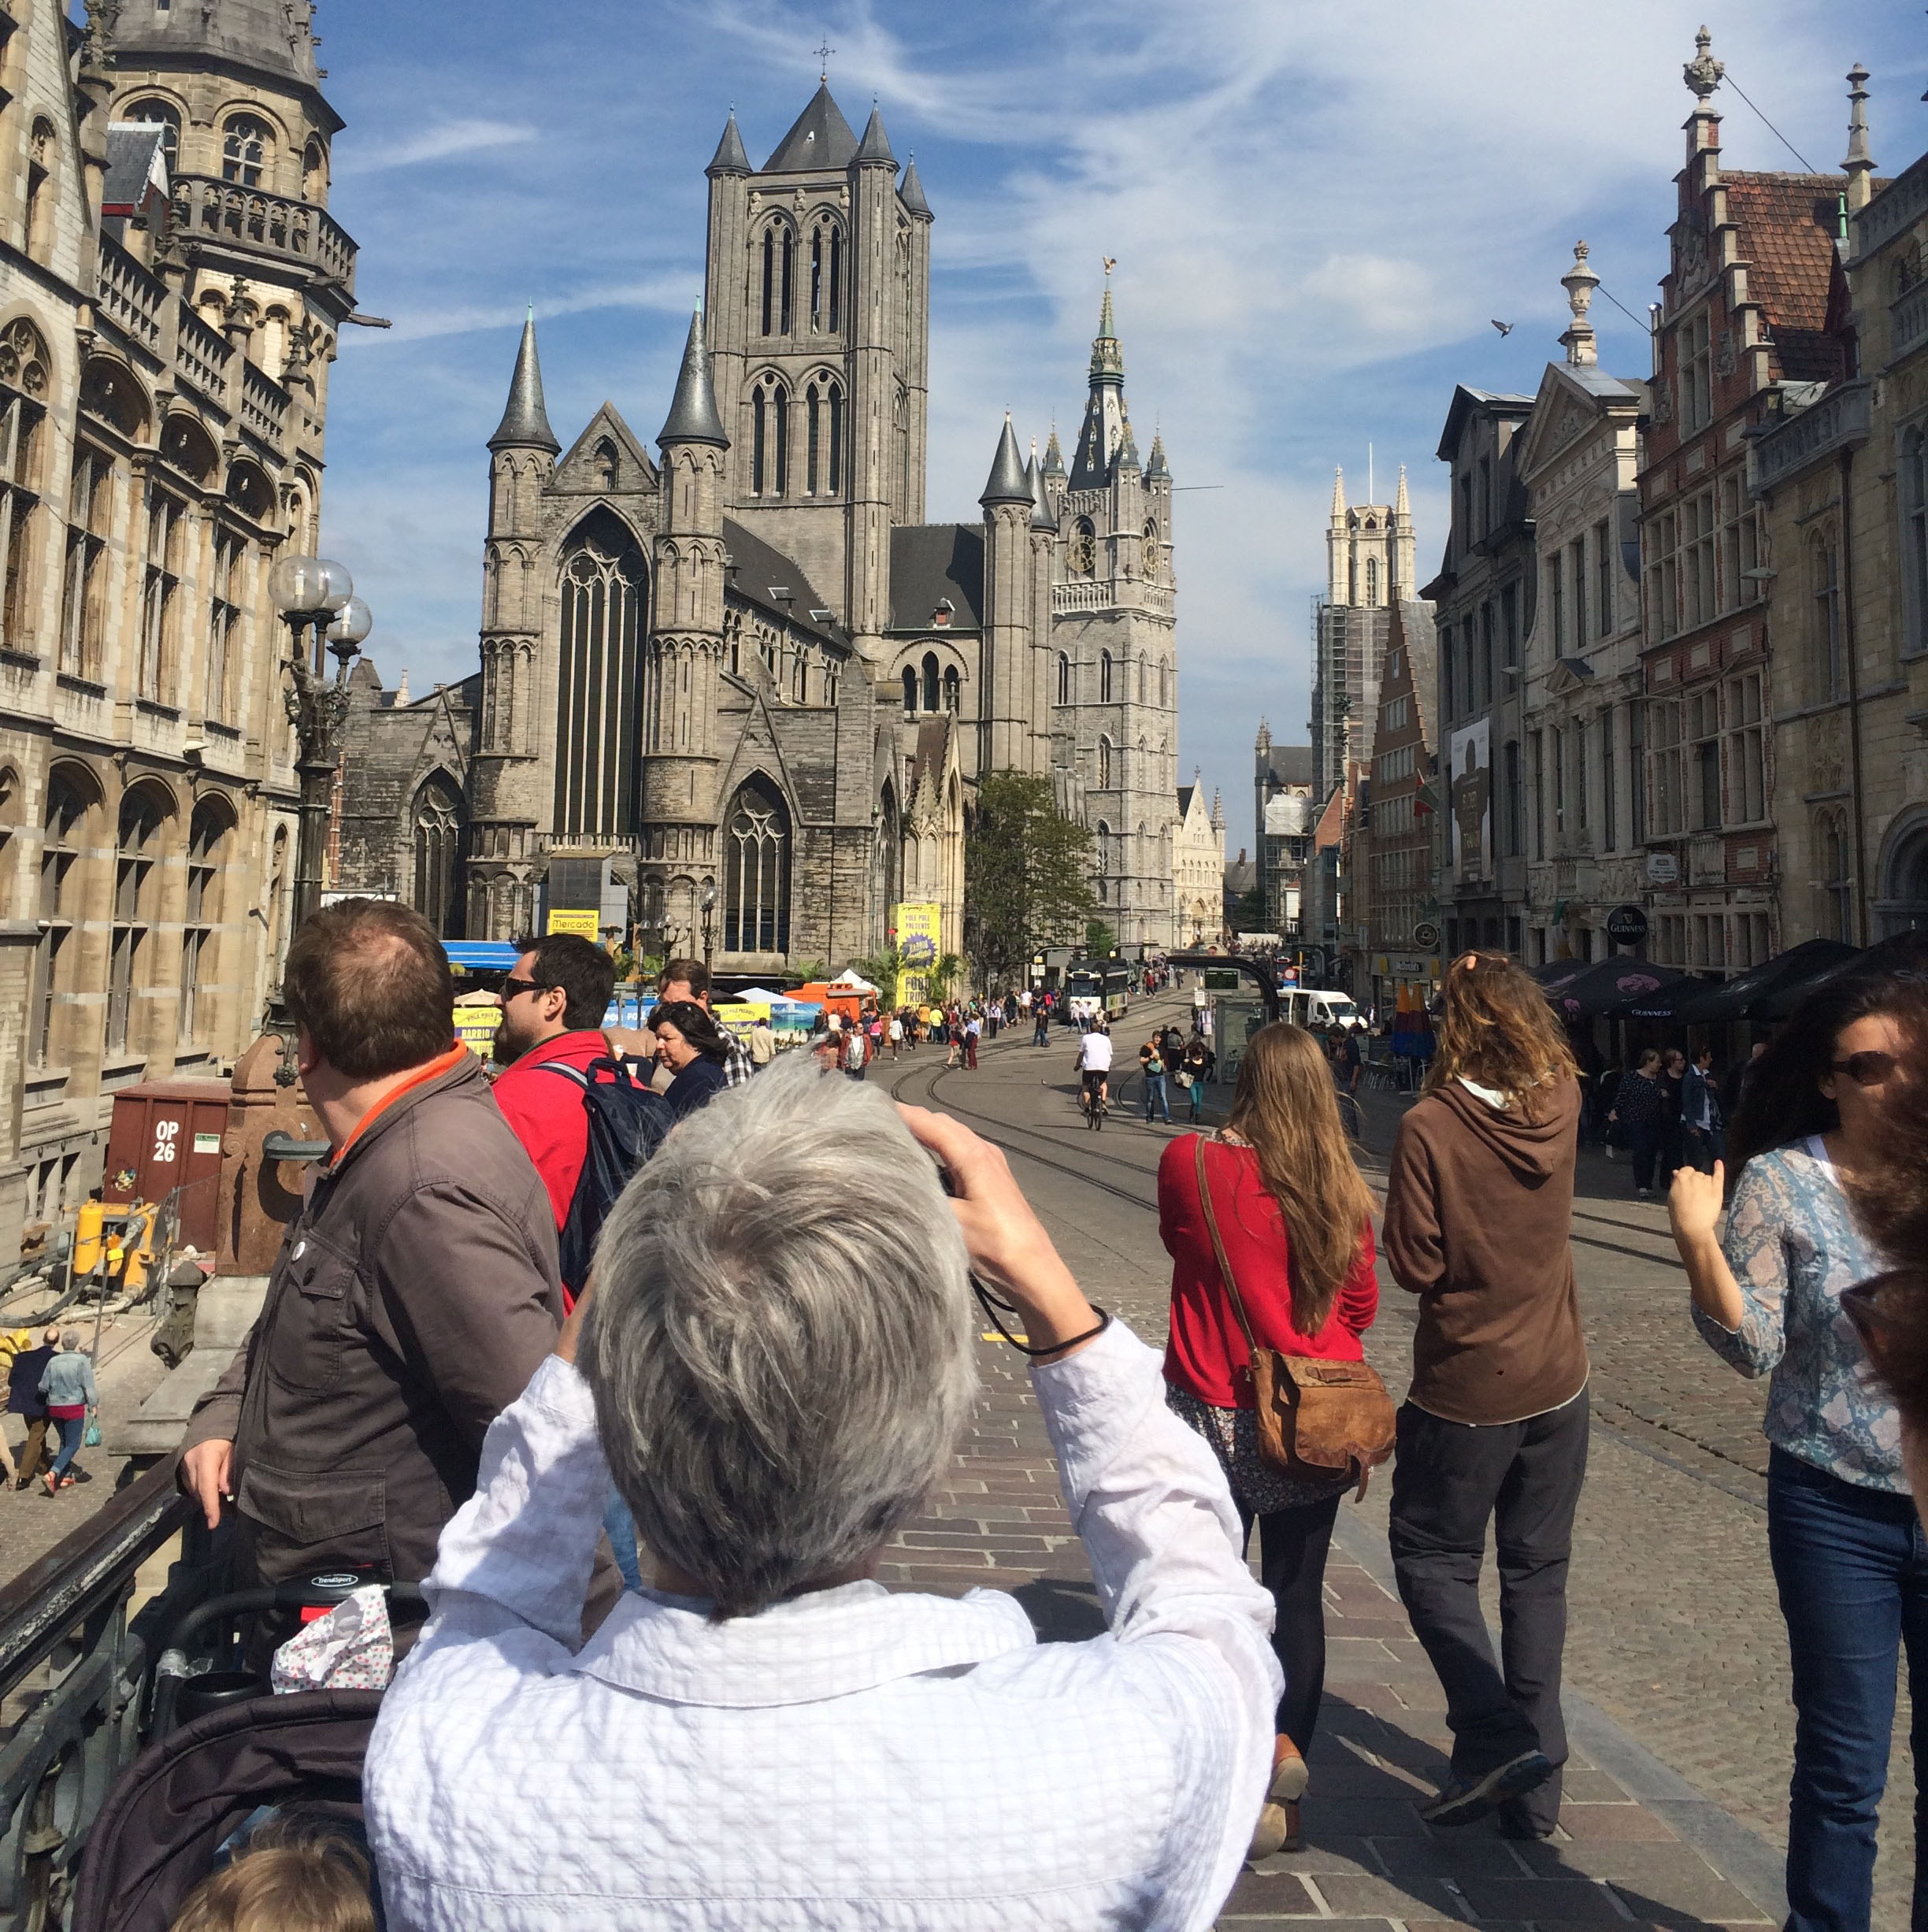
(756, 875)
(605, 596)
(786, 321)
(1372, 579)
(836, 279)
(770, 439)
(769, 277)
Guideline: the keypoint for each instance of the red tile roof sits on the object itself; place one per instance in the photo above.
(1787, 223)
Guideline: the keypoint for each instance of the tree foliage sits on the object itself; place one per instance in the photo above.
(1026, 874)
(1100, 940)
(885, 971)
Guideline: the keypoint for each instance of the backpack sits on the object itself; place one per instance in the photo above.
(627, 1122)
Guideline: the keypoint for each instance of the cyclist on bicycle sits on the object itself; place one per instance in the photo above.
(1094, 1062)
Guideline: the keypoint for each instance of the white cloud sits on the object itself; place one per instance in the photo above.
(441, 142)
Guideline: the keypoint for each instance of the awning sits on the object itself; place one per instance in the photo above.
(1792, 973)
(1900, 952)
(480, 955)
(1607, 985)
(1667, 1003)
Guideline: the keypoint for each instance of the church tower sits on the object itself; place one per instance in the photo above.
(818, 284)
(684, 660)
(1004, 719)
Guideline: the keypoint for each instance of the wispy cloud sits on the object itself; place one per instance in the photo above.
(440, 142)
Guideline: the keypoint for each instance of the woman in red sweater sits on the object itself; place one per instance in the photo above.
(1294, 1216)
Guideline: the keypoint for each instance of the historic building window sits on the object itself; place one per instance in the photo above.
(58, 907)
(1104, 677)
(23, 388)
(826, 277)
(951, 684)
(1829, 656)
(1668, 812)
(166, 540)
(1513, 803)
(1082, 554)
(1698, 594)
(1703, 739)
(1064, 678)
(1576, 551)
(1609, 782)
(604, 584)
(1914, 495)
(770, 439)
(90, 512)
(438, 851)
(756, 887)
(1372, 579)
(779, 266)
(151, 113)
(41, 193)
(930, 680)
(1556, 601)
(1104, 775)
(911, 691)
(1747, 751)
(1834, 908)
(1663, 576)
(1151, 547)
(246, 146)
(799, 674)
(1697, 366)
(823, 409)
(314, 172)
(137, 852)
(223, 623)
(207, 836)
(1603, 582)
(1104, 844)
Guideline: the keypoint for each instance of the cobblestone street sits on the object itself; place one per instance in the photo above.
(1676, 1663)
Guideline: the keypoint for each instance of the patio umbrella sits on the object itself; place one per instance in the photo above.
(1901, 952)
(1794, 971)
(1664, 1004)
(1607, 985)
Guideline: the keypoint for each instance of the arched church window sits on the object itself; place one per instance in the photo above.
(1372, 579)
(799, 673)
(161, 115)
(823, 461)
(1915, 536)
(1104, 778)
(911, 691)
(603, 461)
(769, 278)
(1064, 678)
(1164, 687)
(605, 588)
(836, 279)
(770, 439)
(756, 880)
(1141, 680)
(930, 680)
(1104, 677)
(438, 843)
(136, 892)
(786, 249)
(246, 145)
(1082, 554)
(950, 688)
(1104, 854)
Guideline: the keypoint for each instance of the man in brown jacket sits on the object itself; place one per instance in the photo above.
(415, 1292)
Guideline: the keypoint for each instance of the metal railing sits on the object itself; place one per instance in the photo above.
(63, 1621)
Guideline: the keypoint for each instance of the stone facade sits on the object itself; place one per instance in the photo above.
(1582, 824)
(749, 662)
(1284, 777)
(1842, 475)
(171, 288)
(1197, 869)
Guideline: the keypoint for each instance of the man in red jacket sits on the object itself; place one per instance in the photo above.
(552, 1007)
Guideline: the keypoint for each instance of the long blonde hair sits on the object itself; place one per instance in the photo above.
(1284, 1107)
(1496, 1029)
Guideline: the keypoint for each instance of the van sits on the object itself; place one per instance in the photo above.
(1320, 1011)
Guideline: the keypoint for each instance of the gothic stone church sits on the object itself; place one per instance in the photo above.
(750, 661)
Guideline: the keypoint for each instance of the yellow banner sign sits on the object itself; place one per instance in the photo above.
(582, 921)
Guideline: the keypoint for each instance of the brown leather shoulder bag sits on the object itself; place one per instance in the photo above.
(1330, 1420)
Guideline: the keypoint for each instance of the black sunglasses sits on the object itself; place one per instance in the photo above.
(1867, 1069)
(521, 986)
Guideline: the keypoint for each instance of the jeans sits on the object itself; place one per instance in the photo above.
(1155, 1095)
(1644, 1145)
(1040, 1033)
(1701, 1147)
(1292, 1547)
(1850, 1565)
(1452, 1479)
(1198, 1096)
(72, 1429)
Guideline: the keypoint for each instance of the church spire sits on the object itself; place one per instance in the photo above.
(1041, 516)
(1006, 483)
(1402, 504)
(693, 416)
(1860, 165)
(876, 142)
(1338, 502)
(730, 157)
(910, 192)
(1106, 433)
(525, 421)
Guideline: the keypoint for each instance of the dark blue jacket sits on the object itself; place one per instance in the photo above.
(24, 1383)
(698, 1082)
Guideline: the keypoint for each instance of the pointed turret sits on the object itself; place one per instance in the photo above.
(819, 138)
(1041, 516)
(1218, 811)
(1860, 165)
(730, 157)
(1580, 281)
(1106, 431)
(1156, 467)
(1053, 456)
(910, 192)
(876, 145)
(1338, 502)
(693, 416)
(1107, 356)
(525, 421)
(1402, 504)
(1006, 483)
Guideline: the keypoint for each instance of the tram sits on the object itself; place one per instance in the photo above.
(1097, 986)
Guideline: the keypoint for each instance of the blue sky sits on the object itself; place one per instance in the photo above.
(1316, 210)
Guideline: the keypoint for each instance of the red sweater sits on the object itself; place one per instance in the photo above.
(546, 1112)
(1207, 1345)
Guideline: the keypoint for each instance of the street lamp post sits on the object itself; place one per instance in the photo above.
(316, 600)
(708, 903)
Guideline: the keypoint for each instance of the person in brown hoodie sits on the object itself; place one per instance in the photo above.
(1478, 1221)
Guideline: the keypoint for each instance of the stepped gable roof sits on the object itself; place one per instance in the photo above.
(757, 570)
(1788, 224)
(930, 561)
(820, 138)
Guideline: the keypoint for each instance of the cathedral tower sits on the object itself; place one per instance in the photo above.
(1008, 594)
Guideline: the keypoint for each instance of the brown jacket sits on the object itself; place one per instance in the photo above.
(1478, 1225)
(415, 1295)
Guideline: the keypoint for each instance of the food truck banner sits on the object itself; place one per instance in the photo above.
(476, 1021)
(919, 926)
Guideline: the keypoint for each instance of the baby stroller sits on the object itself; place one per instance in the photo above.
(222, 1747)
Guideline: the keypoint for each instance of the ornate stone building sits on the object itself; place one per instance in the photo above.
(748, 662)
(1284, 777)
(1197, 869)
(171, 288)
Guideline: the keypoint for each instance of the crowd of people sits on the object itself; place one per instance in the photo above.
(648, 1504)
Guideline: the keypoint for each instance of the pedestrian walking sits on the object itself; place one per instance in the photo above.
(973, 1029)
(896, 1034)
(689, 979)
(1295, 1221)
(1478, 1225)
(695, 1050)
(1844, 1539)
(1703, 1124)
(1154, 1065)
(67, 1387)
(24, 1400)
(856, 1055)
(415, 1291)
(1192, 1075)
(1672, 1073)
(13, 1344)
(762, 1043)
(1041, 1023)
(1636, 1111)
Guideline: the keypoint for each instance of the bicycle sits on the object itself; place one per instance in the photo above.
(1092, 1100)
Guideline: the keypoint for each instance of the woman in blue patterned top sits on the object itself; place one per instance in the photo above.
(1850, 1562)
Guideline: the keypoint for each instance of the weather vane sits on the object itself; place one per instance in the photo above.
(1111, 262)
(823, 55)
